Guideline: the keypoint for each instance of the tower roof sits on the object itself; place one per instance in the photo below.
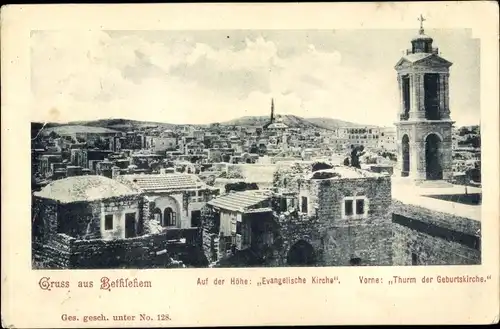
(421, 37)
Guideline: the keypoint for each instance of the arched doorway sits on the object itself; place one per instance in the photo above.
(405, 147)
(301, 254)
(433, 166)
(169, 217)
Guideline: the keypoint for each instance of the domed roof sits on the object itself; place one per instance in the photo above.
(84, 188)
(421, 37)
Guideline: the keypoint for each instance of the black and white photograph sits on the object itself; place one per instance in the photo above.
(255, 148)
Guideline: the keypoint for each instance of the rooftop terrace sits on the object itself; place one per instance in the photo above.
(444, 198)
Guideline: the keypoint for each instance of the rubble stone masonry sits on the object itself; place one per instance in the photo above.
(337, 240)
(424, 237)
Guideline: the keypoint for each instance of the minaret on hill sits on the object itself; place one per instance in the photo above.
(272, 110)
(424, 124)
(271, 119)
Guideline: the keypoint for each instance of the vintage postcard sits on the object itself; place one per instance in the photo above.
(250, 164)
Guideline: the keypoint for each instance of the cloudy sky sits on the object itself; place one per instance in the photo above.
(211, 76)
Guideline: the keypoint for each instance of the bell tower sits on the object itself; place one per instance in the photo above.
(423, 124)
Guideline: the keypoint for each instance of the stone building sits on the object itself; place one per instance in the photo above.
(387, 139)
(338, 217)
(424, 124)
(96, 222)
(87, 207)
(172, 200)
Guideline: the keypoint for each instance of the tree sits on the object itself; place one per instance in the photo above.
(356, 153)
(53, 135)
(240, 187)
(195, 159)
(207, 143)
(254, 149)
(101, 144)
(320, 166)
(463, 131)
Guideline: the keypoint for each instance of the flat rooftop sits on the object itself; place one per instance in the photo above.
(345, 172)
(429, 196)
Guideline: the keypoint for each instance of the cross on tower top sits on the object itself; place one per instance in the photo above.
(421, 19)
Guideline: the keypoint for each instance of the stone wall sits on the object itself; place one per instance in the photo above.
(44, 219)
(56, 255)
(80, 220)
(295, 228)
(337, 240)
(424, 237)
(371, 243)
(445, 220)
(123, 253)
(66, 252)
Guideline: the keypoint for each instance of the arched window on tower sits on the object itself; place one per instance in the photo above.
(431, 88)
(406, 97)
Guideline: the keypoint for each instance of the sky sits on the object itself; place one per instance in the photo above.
(199, 77)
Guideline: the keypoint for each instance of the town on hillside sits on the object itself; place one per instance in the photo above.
(274, 192)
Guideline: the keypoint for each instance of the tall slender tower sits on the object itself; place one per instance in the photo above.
(272, 110)
(424, 126)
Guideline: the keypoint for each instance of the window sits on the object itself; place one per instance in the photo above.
(108, 222)
(283, 206)
(304, 204)
(196, 218)
(348, 208)
(238, 227)
(360, 206)
(356, 206)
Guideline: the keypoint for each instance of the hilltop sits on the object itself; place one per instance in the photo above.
(122, 124)
(329, 123)
(292, 121)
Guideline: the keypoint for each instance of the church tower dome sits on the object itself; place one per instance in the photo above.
(421, 43)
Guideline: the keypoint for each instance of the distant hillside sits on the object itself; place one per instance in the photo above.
(121, 124)
(329, 123)
(292, 121)
(74, 129)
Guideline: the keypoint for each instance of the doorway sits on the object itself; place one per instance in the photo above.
(130, 230)
(301, 254)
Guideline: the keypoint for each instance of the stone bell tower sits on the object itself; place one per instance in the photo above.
(424, 125)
